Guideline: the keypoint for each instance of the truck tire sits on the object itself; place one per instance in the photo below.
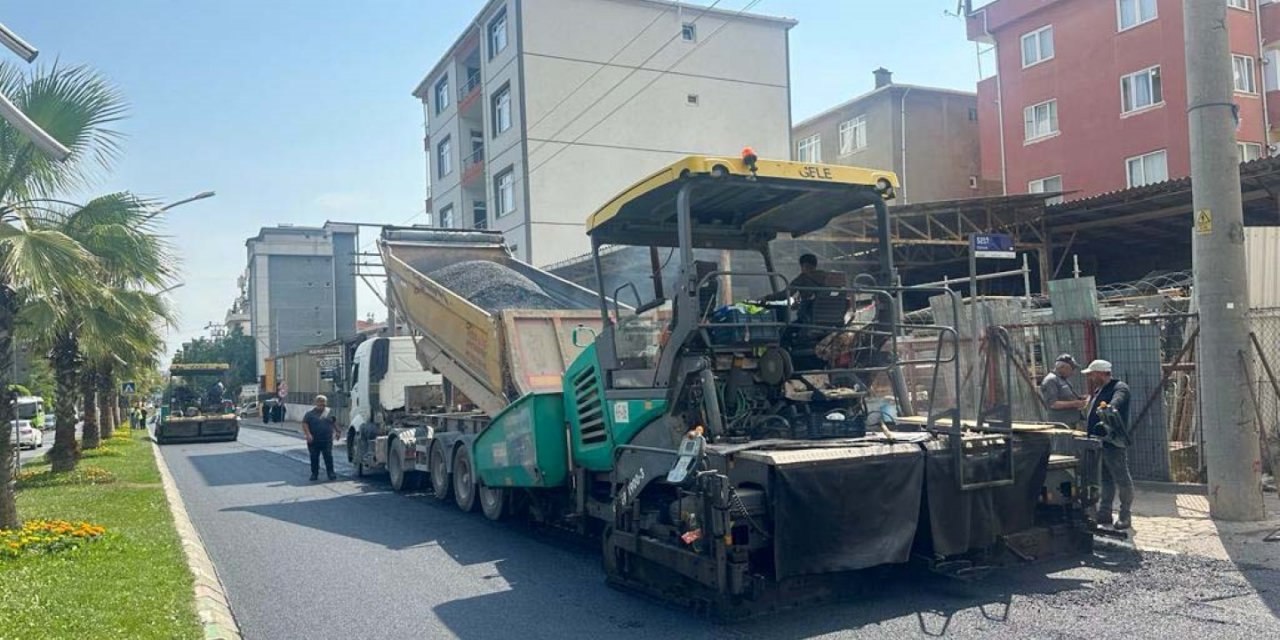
(464, 480)
(351, 446)
(441, 483)
(494, 502)
(401, 479)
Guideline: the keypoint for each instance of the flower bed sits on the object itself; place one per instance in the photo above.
(47, 536)
(84, 474)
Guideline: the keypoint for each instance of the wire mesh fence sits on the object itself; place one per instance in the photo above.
(1264, 324)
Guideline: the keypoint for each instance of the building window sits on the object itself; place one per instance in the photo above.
(1140, 90)
(1037, 46)
(498, 34)
(853, 135)
(501, 109)
(1135, 12)
(1271, 70)
(1148, 168)
(1238, 4)
(689, 32)
(1052, 184)
(444, 157)
(973, 114)
(504, 191)
(442, 95)
(1249, 151)
(809, 149)
(479, 214)
(1242, 72)
(446, 217)
(1040, 120)
(691, 100)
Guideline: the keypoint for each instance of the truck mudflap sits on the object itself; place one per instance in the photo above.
(957, 521)
(843, 508)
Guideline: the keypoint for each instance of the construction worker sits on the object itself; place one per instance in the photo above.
(1062, 402)
(1108, 419)
(320, 428)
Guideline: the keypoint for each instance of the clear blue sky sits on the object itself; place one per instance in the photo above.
(300, 111)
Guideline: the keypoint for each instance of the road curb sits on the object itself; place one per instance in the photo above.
(212, 605)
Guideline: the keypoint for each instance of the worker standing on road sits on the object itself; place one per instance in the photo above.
(321, 428)
(1108, 418)
(1063, 403)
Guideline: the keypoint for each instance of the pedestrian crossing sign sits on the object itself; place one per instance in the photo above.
(128, 388)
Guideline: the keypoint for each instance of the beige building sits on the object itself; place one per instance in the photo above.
(928, 136)
(543, 110)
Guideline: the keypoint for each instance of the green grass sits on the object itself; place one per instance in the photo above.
(133, 583)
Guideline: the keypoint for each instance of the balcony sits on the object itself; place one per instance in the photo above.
(469, 92)
(473, 166)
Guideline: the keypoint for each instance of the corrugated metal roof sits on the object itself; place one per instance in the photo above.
(1261, 248)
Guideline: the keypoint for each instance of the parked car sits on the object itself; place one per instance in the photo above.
(28, 436)
(250, 409)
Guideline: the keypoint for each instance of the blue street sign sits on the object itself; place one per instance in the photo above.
(128, 388)
(992, 245)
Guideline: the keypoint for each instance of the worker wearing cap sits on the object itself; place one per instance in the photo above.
(1062, 401)
(1108, 418)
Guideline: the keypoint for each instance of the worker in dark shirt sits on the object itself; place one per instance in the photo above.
(1108, 419)
(321, 428)
(802, 287)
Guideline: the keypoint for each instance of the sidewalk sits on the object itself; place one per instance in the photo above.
(1176, 520)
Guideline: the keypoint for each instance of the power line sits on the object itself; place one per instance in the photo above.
(633, 71)
(648, 84)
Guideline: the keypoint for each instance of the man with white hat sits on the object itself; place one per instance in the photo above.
(1108, 418)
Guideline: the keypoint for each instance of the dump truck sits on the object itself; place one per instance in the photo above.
(731, 451)
(195, 407)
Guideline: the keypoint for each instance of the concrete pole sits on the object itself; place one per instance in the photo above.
(1230, 434)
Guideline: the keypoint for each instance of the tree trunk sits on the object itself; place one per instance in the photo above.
(90, 437)
(106, 388)
(65, 359)
(8, 448)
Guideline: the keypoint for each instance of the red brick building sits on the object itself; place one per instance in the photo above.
(1090, 95)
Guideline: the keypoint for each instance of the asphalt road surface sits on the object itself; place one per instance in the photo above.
(351, 559)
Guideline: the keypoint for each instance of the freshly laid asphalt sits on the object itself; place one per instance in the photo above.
(352, 559)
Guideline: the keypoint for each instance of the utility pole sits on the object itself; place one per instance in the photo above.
(1232, 452)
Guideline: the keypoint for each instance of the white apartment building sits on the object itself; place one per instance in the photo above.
(542, 110)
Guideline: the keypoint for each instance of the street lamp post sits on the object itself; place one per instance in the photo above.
(199, 196)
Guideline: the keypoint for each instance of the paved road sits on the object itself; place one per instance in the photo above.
(351, 559)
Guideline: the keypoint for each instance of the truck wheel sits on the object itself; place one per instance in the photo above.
(441, 483)
(401, 480)
(351, 446)
(464, 480)
(493, 502)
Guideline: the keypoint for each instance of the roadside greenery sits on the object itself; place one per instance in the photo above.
(130, 581)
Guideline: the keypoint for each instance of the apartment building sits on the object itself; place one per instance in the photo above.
(928, 136)
(1090, 96)
(301, 287)
(542, 111)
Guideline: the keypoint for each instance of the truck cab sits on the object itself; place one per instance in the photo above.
(387, 381)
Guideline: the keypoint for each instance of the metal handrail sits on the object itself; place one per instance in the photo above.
(473, 81)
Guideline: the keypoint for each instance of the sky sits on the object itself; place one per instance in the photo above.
(300, 111)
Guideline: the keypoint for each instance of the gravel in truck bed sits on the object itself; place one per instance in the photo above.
(492, 287)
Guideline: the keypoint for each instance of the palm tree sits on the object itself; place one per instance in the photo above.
(117, 230)
(77, 107)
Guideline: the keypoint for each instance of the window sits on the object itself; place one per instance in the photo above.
(498, 34)
(504, 191)
(1051, 184)
(446, 217)
(442, 95)
(1242, 72)
(691, 100)
(501, 109)
(1271, 70)
(1148, 168)
(1140, 90)
(1135, 12)
(1238, 4)
(444, 157)
(1037, 46)
(689, 32)
(853, 135)
(973, 114)
(1040, 120)
(809, 149)
(1249, 151)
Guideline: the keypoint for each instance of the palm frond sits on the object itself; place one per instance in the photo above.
(43, 263)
